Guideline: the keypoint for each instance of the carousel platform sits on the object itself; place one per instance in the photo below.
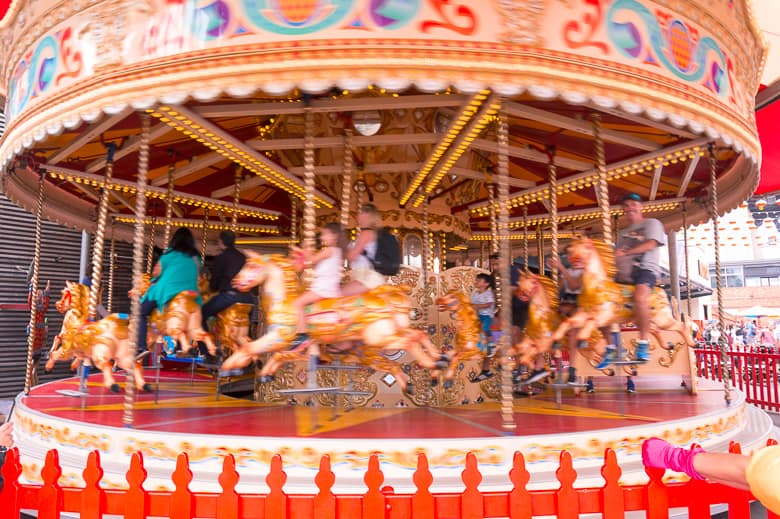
(188, 417)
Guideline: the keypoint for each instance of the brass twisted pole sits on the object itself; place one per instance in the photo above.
(687, 264)
(426, 253)
(150, 250)
(507, 399)
(204, 236)
(168, 207)
(525, 238)
(100, 234)
(309, 214)
(111, 269)
(31, 332)
(346, 186)
(494, 242)
(138, 251)
(602, 186)
(293, 219)
(236, 198)
(552, 173)
(722, 342)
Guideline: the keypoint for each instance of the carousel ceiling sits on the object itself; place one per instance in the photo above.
(397, 103)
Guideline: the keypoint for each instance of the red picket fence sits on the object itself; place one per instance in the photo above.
(612, 500)
(755, 374)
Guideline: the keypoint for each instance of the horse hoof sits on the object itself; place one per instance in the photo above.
(409, 389)
(265, 379)
(442, 364)
(224, 373)
(434, 382)
(115, 388)
(147, 388)
(448, 384)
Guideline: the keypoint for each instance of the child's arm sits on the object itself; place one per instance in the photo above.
(322, 254)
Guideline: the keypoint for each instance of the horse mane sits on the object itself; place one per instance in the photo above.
(607, 254)
(80, 297)
(550, 291)
(285, 264)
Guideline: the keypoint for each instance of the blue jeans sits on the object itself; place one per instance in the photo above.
(221, 301)
(147, 307)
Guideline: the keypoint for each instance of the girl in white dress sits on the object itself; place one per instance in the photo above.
(328, 264)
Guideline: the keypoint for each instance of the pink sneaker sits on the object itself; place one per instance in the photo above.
(661, 454)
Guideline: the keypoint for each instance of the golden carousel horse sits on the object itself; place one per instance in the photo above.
(467, 329)
(543, 317)
(603, 302)
(103, 342)
(180, 320)
(378, 318)
(231, 325)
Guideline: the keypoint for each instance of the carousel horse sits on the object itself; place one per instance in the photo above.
(603, 302)
(231, 325)
(180, 320)
(103, 342)
(467, 329)
(542, 298)
(378, 318)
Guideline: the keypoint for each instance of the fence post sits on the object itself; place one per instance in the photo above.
(374, 499)
(566, 500)
(471, 503)
(182, 500)
(227, 502)
(325, 501)
(657, 504)
(50, 495)
(423, 504)
(520, 505)
(93, 498)
(9, 494)
(612, 499)
(137, 500)
(276, 501)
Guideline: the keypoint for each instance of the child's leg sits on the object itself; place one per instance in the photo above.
(300, 303)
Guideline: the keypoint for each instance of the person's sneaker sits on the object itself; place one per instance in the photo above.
(536, 375)
(610, 356)
(483, 375)
(589, 387)
(572, 379)
(630, 387)
(642, 353)
(299, 340)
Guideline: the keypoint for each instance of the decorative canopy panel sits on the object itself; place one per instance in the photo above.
(411, 89)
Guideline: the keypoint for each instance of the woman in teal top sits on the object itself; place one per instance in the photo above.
(176, 271)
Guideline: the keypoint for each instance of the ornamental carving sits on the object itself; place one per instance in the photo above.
(522, 21)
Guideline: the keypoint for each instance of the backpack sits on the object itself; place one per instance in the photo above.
(387, 260)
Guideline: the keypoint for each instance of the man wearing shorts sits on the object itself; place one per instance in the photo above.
(638, 251)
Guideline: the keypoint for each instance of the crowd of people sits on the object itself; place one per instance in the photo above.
(755, 334)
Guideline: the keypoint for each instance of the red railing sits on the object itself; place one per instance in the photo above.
(755, 374)
(612, 500)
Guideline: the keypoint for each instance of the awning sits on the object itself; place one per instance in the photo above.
(756, 311)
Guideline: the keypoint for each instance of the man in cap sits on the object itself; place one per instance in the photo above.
(226, 265)
(637, 256)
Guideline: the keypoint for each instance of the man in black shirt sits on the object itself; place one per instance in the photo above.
(224, 268)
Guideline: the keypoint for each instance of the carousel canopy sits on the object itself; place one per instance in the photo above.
(397, 102)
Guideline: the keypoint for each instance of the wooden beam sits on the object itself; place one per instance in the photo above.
(195, 165)
(478, 175)
(88, 136)
(656, 179)
(129, 147)
(578, 126)
(358, 141)
(324, 105)
(532, 155)
(646, 121)
(243, 147)
(689, 169)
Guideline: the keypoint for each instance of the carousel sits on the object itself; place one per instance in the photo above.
(475, 128)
